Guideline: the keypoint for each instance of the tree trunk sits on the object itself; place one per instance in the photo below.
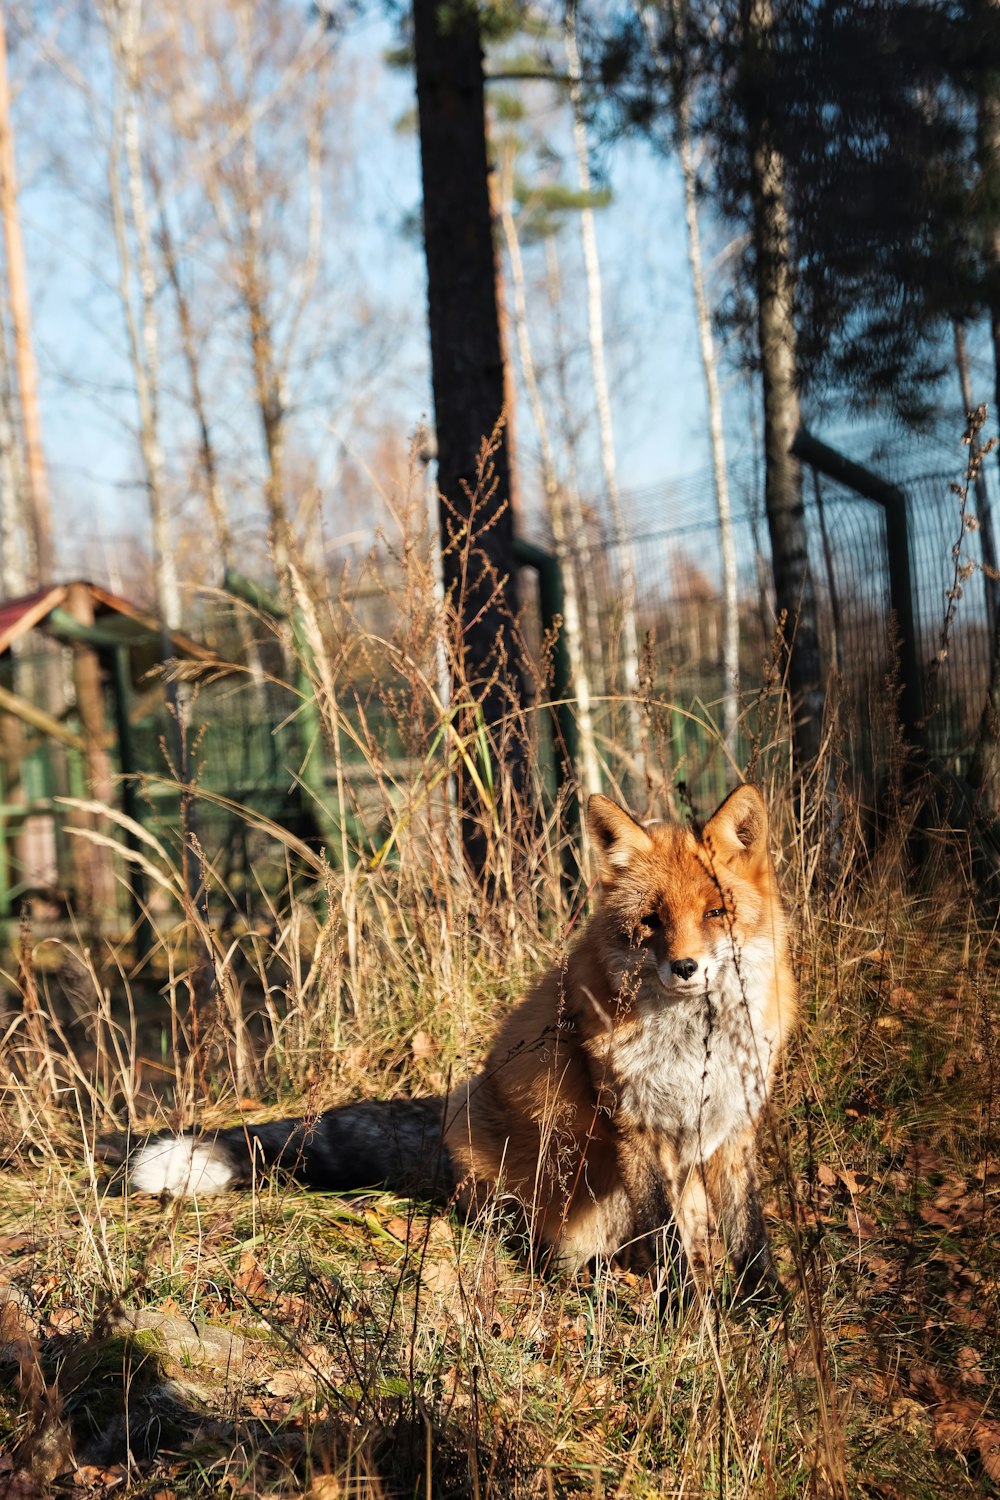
(123, 21)
(468, 381)
(795, 597)
(17, 284)
(987, 533)
(984, 769)
(602, 396)
(588, 773)
(716, 432)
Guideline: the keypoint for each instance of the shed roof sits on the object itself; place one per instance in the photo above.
(117, 622)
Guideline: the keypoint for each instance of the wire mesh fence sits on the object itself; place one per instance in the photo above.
(679, 608)
(252, 743)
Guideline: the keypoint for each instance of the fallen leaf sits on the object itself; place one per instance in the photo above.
(933, 1216)
(291, 1383)
(65, 1320)
(969, 1317)
(250, 1278)
(438, 1276)
(15, 1244)
(861, 1224)
(96, 1477)
(921, 1159)
(969, 1367)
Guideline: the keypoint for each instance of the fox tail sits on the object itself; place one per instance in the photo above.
(393, 1144)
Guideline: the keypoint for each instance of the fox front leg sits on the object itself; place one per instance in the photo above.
(656, 1245)
(732, 1187)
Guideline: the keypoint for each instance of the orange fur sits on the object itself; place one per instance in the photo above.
(626, 1088)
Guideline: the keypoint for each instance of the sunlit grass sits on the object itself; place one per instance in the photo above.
(376, 1349)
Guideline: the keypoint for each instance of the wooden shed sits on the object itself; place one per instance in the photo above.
(77, 671)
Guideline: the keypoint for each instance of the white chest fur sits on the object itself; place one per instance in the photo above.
(697, 1066)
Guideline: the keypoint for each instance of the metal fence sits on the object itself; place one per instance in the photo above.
(675, 553)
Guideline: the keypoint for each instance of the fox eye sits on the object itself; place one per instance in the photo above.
(714, 913)
(652, 920)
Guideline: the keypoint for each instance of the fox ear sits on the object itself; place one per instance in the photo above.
(737, 831)
(617, 836)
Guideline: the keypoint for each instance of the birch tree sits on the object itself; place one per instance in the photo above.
(676, 69)
(590, 775)
(137, 284)
(602, 398)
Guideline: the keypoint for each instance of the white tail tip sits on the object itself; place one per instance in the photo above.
(182, 1167)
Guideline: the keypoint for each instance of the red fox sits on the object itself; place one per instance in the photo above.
(617, 1108)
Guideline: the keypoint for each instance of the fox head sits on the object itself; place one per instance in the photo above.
(682, 909)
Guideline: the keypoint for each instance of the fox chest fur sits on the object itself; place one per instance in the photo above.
(694, 1068)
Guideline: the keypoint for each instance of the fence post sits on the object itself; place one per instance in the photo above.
(892, 499)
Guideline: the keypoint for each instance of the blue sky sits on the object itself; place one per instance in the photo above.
(87, 399)
(376, 377)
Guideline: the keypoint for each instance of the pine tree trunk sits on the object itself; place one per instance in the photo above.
(467, 373)
(795, 597)
(984, 766)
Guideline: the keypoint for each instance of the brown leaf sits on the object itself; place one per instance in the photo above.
(863, 1225)
(250, 1278)
(987, 1439)
(969, 1317)
(438, 1276)
(96, 1477)
(398, 1227)
(65, 1320)
(921, 1159)
(15, 1244)
(291, 1383)
(969, 1366)
(928, 1382)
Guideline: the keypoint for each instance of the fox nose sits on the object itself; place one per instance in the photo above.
(683, 967)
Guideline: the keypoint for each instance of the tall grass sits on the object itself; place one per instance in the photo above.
(376, 1350)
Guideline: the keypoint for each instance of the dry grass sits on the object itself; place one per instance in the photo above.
(361, 1347)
